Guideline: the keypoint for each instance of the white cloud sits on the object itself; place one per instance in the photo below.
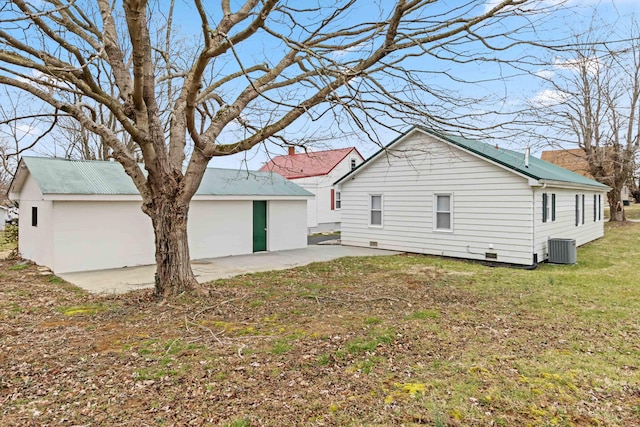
(545, 74)
(591, 64)
(23, 130)
(548, 97)
(356, 48)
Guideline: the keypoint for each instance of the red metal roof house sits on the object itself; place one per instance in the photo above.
(316, 171)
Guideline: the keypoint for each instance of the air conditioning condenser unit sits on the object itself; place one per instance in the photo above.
(562, 251)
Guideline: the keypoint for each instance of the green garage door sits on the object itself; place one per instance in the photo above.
(259, 226)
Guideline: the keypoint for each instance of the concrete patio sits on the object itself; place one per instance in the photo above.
(126, 279)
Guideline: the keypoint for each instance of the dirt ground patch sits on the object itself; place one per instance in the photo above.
(404, 340)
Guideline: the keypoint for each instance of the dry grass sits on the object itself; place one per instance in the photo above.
(631, 212)
(406, 340)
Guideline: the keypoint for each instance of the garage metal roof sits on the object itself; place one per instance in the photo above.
(93, 177)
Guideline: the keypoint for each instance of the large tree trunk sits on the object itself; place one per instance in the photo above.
(173, 268)
(616, 207)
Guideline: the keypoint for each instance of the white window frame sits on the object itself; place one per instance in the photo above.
(337, 200)
(353, 163)
(381, 210)
(579, 209)
(436, 212)
(550, 205)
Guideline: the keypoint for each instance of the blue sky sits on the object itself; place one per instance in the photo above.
(512, 91)
(516, 91)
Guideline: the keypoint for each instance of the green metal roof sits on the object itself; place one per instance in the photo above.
(92, 177)
(537, 169)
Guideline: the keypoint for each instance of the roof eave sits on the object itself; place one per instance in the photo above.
(197, 197)
(18, 181)
(574, 185)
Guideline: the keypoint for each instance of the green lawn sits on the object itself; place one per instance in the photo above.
(632, 212)
(404, 340)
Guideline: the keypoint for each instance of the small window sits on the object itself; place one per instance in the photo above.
(443, 212)
(353, 164)
(548, 207)
(34, 216)
(599, 207)
(338, 202)
(579, 209)
(375, 218)
(595, 208)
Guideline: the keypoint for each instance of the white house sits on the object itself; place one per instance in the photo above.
(316, 172)
(435, 194)
(85, 215)
(6, 214)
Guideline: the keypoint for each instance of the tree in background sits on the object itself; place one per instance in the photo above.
(594, 103)
(253, 71)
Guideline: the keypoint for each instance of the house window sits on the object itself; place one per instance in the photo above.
(548, 207)
(599, 207)
(353, 164)
(34, 216)
(579, 209)
(338, 202)
(443, 212)
(375, 217)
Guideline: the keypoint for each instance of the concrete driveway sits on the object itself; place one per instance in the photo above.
(121, 280)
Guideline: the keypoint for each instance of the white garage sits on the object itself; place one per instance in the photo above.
(85, 215)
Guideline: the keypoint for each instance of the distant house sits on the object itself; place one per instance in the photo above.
(316, 172)
(4, 216)
(431, 193)
(85, 215)
(575, 160)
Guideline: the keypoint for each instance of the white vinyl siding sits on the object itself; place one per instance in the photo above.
(564, 226)
(492, 206)
(444, 212)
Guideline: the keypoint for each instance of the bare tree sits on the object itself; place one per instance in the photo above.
(256, 70)
(596, 105)
(22, 127)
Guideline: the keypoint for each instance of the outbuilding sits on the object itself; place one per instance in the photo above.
(427, 192)
(85, 215)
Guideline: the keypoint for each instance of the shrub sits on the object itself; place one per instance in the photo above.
(11, 233)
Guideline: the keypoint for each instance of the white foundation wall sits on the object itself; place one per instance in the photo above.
(286, 224)
(492, 209)
(564, 226)
(35, 243)
(100, 235)
(220, 228)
